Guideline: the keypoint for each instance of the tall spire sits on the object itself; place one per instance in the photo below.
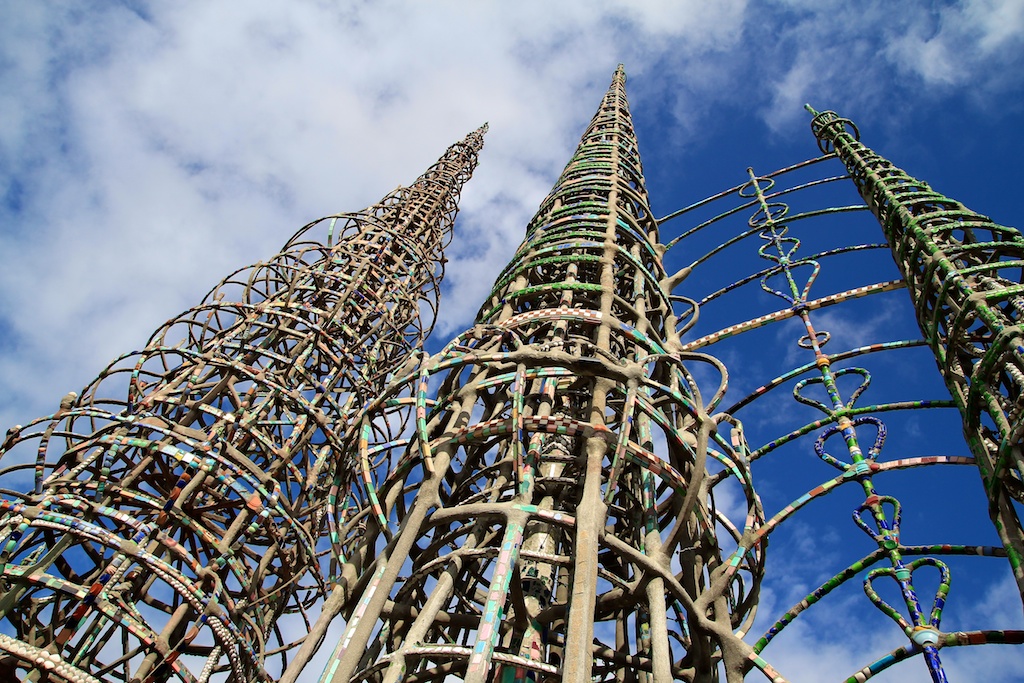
(600, 198)
(963, 273)
(531, 523)
(174, 526)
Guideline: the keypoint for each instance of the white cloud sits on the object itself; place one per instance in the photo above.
(823, 644)
(870, 55)
(996, 609)
(999, 22)
(157, 150)
(812, 648)
(957, 44)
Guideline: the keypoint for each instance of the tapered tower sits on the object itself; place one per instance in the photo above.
(772, 275)
(174, 528)
(546, 512)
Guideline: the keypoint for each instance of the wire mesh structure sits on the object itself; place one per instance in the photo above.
(174, 526)
(585, 484)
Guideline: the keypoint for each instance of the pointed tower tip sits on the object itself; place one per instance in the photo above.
(475, 138)
(620, 72)
(484, 128)
(812, 110)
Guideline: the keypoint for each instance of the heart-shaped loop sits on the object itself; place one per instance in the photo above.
(832, 430)
(789, 270)
(880, 434)
(819, 448)
(865, 382)
(799, 396)
(770, 213)
(887, 532)
(775, 272)
(816, 268)
(776, 239)
(904, 576)
(842, 372)
(881, 604)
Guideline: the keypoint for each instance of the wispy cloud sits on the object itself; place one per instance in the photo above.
(961, 43)
(824, 644)
(145, 153)
(871, 55)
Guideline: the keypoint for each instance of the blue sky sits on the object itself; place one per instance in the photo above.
(148, 149)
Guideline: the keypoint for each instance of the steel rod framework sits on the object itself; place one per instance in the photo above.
(566, 491)
(919, 574)
(174, 528)
(547, 512)
(965, 275)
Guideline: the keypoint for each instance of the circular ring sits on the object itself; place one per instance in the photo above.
(754, 187)
(821, 337)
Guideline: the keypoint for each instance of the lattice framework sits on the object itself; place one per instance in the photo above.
(547, 511)
(174, 528)
(563, 492)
